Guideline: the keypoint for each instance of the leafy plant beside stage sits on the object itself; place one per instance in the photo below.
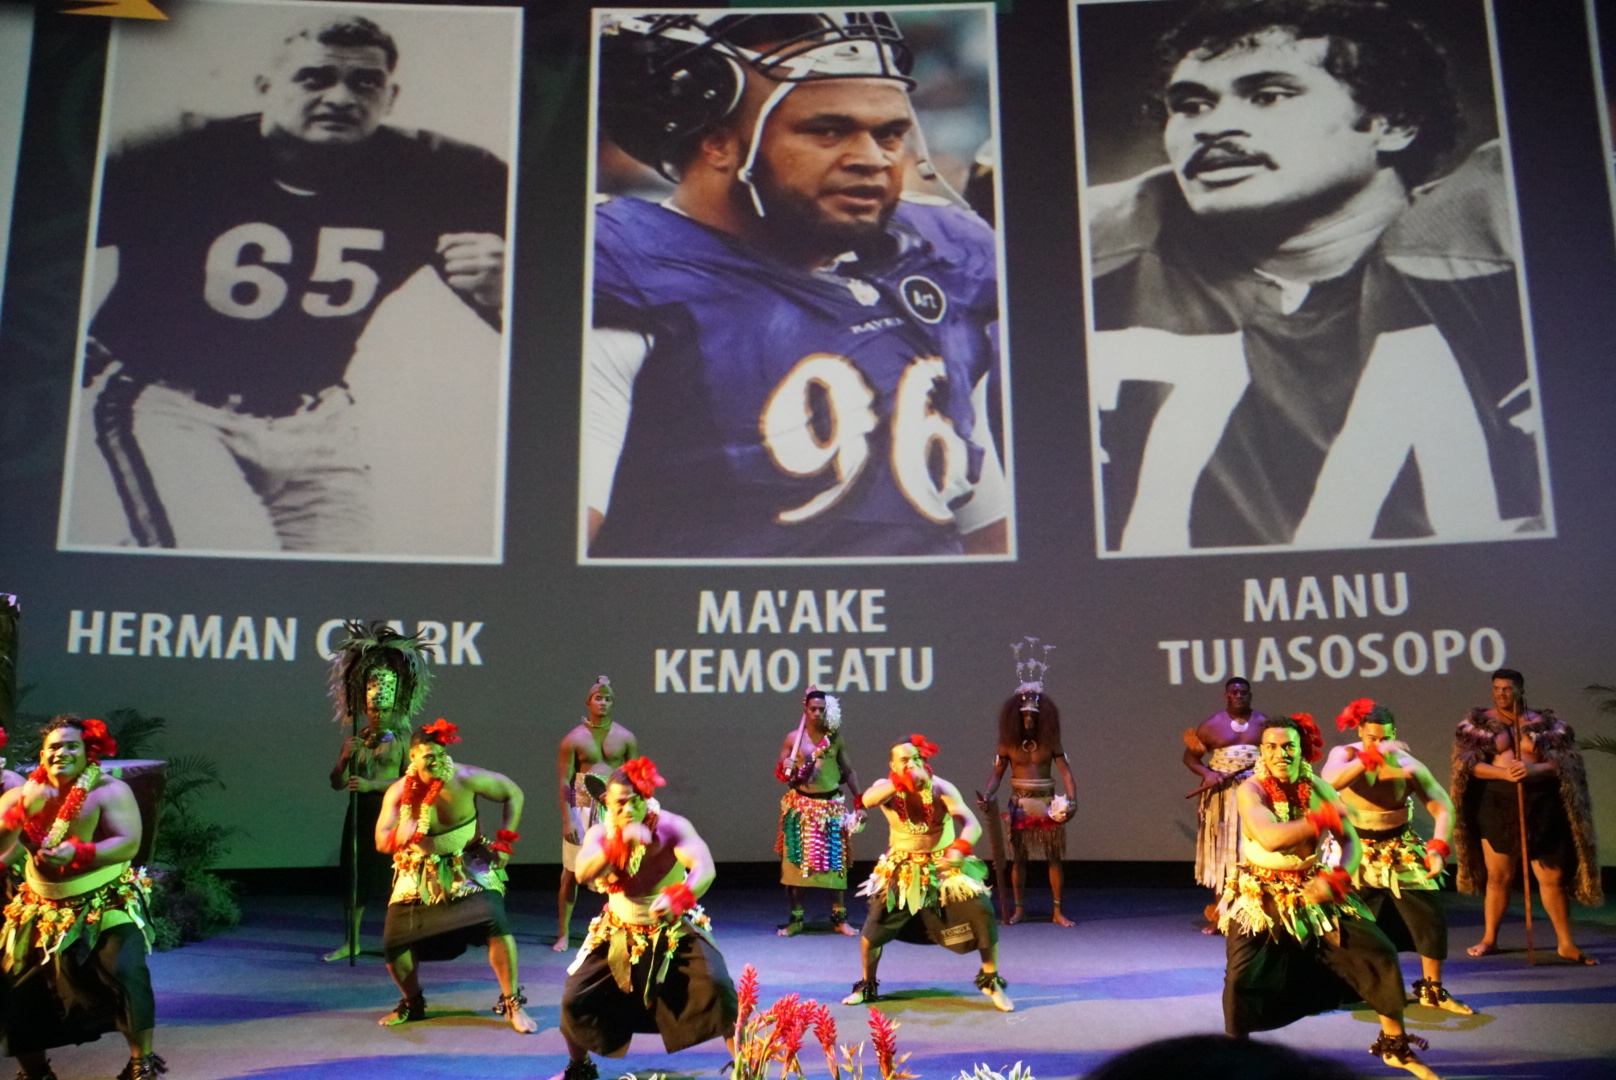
(1018, 1071)
(1607, 704)
(189, 903)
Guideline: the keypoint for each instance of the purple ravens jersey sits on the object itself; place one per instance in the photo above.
(234, 280)
(1392, 403)
(784, 413)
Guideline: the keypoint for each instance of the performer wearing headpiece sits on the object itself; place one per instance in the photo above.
(1541, 778)
(380, 675)
(1299, 941)
(1230, 738)
(649, 963)
(448, 881)
(596, 746)
(816, 824)
(1030, 746)
(73, 948)
(928, 888)
(1400, 873)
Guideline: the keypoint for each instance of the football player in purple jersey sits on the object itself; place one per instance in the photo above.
(1305, 332)
(250, 253)
(792, 357)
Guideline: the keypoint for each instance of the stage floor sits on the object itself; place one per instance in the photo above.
(258, 1002)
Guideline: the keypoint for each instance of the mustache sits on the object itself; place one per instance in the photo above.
(1223, 154)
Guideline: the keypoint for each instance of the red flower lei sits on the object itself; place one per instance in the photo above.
(417, 796)
(1282, 802)
(37, 828)
(928, 802)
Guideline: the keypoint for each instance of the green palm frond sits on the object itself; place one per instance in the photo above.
(1608, 692)
(134, 731)
(1602, 743)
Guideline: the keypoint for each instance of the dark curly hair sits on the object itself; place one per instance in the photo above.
(1048, 728)
(1386, 60)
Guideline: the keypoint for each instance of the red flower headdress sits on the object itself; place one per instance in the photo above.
(1354, 714)
(442, 732)
(1312, 737)
(642, 773)
(98, 743)
(927, 748)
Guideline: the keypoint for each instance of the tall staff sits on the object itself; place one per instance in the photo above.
(1526, 858)
(379, 674)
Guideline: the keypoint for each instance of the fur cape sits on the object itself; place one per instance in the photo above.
(1555, 743)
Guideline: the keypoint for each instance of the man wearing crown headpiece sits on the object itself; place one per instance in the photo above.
(448, 880)
(816, 822)
(1030, 748)
(854, 329)
(928, 888)
(1230, 738)
(380, 676)
(649, 964)
(1400, 873)
(594, 747)
(73, 948)
(1299, 940)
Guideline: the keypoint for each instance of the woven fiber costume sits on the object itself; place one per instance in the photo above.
(1290, 956)
(1559, 818)
(1217, 839)
(374, 669)
(639, 972)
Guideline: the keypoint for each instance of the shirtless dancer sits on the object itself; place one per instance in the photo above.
(1376, 778)
(1030, 747)
(1230, 737)
(1487, 774)
(814, 837)
(597, 745)
(448, 882)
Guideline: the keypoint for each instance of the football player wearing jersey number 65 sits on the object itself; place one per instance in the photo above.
(251, 253)
(795, 355)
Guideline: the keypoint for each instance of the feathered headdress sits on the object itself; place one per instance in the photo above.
(1312, 737)
(1363, 711)
(1032, 660)
(441, 732)
(927, 748)
(362, 654)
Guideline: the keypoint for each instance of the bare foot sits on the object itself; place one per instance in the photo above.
(1061, 920)
(562, 943)
(1576, 955)
(1454, 1005)
(521, 1022)
(1483, 948)
(1015, 917)
(1413, 1065)
(845, 930)
(338, 954)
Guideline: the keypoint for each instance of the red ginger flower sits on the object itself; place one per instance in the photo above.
(927, 748)
(3, 739)
(642, 773)
(1354, 714)
(442, 732)
(97, 742)
(746, 993)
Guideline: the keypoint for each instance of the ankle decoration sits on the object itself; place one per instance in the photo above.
(508, 1004)
(145, 1067)
(1397, 1046)
(581, 1070)
(869, 988)
(411, 1009)
(990, 980)
(838, 916)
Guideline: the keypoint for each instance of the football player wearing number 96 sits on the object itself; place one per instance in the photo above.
(250, 254)
(793, 356)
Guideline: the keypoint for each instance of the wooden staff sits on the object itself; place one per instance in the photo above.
(353, 851)
(1526, 860)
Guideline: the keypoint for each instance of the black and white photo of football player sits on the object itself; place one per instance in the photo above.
(794, 344)
(299, 275)
(1308, 324)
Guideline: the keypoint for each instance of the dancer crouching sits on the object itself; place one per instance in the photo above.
(928, 887)
(649, 963)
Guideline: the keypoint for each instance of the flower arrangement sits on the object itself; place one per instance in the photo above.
(776, 1036)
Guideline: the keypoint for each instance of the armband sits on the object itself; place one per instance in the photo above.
(1193, 742)
(1439, 847)
(83, 855)
(1325, 819)
(961, 845)
(1339, 881)
(504, 841)
(680, 898)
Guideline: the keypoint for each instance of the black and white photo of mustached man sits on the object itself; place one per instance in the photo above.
(295, 336)
(1308, 325)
